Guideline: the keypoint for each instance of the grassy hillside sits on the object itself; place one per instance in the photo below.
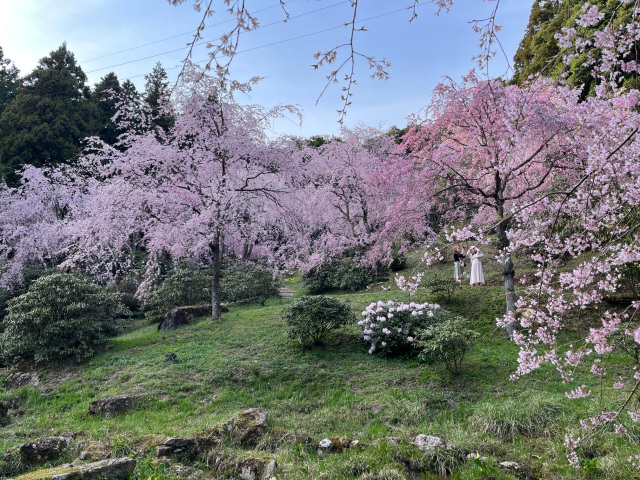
(337, 389)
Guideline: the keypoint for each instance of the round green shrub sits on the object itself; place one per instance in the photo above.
(309, 319)
(183, 288)
(337, 276)
(242, 282)
(60, 316)
(448, 341)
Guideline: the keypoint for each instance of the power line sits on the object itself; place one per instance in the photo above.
(208, 41)
(172, 37)
(262, 46)
(297, 38)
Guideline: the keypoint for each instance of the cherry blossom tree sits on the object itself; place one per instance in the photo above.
(338, 205)
(569, 190)
(211, 177)
(483, 149)
(593, 219)
(33, 216)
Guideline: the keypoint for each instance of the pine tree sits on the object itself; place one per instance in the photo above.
(48, 119)
(156, 91)
(104, 98)
(9, 81)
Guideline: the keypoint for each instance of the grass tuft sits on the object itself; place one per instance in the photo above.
(533, 416)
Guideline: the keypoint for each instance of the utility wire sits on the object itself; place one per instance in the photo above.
(208, 41)
(260, 46)
(190, 32)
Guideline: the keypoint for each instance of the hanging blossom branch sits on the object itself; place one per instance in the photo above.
(329, 57)
(488, 30)
(227, 46)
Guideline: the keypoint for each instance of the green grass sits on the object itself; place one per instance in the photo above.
(245, 360)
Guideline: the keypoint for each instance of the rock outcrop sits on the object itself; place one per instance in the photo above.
(113, 469)
(182, 316)
(247, 427)
(113, 405)
(43, 449)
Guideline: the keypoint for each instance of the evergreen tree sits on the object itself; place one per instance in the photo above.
(130, 92)
(156, 91)
(9, 81)
(106, 103)
(49, 117)
(539, 51)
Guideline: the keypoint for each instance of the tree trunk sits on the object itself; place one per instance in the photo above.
(247, 249)
(510, 291)
(216, 293)
(508, 272)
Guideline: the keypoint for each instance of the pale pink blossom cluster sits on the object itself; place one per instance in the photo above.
(409, 284)
(572, 443)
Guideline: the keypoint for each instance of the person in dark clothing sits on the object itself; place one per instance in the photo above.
(458, 263)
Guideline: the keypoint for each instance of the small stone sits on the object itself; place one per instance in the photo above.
(163, 451)
(170, 357)
(255, 468)
(476, 456)
(429, 443)
(509, 465)
(94, 451)
(179, 443)
(247, 427)
(333, 445)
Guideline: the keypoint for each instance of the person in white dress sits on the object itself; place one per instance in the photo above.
(477, 278)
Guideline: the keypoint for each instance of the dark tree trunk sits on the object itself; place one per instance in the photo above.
(509, 290)
(215, 285)
(247, 249)
(508, 273)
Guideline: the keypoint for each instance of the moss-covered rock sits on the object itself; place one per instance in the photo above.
(43, 449)
(113, 469)
(113, 405)
(247, 427)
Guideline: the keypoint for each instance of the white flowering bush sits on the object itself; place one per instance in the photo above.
(391, 327)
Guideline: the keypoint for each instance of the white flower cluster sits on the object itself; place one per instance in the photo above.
(389, 325)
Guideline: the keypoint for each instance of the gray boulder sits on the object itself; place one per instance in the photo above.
(248, 468)
(94, 450)
(181, 316)
(43, 449)
(191, 446)
(113, 405)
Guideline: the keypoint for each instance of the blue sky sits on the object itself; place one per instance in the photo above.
(108, 35)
